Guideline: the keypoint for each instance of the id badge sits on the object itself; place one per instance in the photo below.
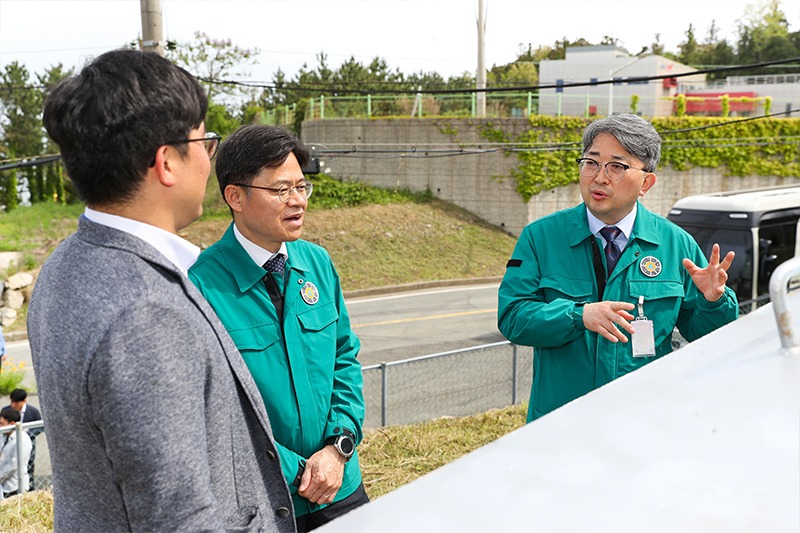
(644, 344)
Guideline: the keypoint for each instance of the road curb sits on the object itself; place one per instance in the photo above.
(358, 293)
(420, 285)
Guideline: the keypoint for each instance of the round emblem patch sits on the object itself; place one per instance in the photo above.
(650, 266)
(309, 293)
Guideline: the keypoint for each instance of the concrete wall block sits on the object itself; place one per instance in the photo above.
(467, 180)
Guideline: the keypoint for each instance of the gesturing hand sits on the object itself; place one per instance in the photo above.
(711, 280)
(604, 317)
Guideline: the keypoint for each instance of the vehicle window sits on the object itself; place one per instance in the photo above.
(777, 243)
(740, 275)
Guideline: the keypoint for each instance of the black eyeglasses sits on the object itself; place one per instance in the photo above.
(210, 142)
(589, 168)
(284, 192)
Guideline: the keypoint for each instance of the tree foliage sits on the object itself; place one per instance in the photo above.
(214, 61)
(763, 35)
(24, 137)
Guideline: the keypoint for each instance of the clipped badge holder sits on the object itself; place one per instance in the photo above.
(643, 339)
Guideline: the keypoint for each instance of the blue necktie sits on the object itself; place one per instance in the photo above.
(275, 267)
(276, 264)
(610, 234)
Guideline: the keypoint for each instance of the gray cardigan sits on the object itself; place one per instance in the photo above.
(152, 418)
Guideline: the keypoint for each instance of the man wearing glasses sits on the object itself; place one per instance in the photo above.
(116, 328)
(597, 289)
(281, 301)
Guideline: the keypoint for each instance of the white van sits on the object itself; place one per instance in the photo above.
(760, 225)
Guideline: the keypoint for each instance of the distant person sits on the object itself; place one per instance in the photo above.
(582, 281)
(154, 422)
(2, 348)
(281, 301)
(10, 482)
(29, 413)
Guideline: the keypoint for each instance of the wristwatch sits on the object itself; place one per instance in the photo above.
(345, 443)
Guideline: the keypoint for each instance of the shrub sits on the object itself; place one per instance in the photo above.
(11, 376)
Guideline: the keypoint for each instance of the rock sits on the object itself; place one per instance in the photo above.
(19, 280)
(7, 316)
(10, 259)
(14, 299)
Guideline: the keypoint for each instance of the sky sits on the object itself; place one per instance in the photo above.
(411, 35)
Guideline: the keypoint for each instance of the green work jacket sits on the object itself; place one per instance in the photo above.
(550, 277)
(305, 368)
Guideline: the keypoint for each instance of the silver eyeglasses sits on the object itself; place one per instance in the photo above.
(284, 192)
(210, 142)
(589, 168)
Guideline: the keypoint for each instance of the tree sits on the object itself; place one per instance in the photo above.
(764, 36)
(214, 61)
(687, 50)
(22, 109)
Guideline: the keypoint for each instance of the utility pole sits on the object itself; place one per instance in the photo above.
(152, 34)
(480, 75)
(611, 85)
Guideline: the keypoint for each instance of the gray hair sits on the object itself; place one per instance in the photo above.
(636, 135)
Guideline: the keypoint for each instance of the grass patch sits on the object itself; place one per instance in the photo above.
(392, 244)
(395, 455)
(37, 229)
(376, 237)
(31, 512)
(390, 457)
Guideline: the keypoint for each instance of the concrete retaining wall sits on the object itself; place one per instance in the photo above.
(417, 154)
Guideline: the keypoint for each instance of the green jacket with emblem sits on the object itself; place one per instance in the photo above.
(307, 369)
(551, 276)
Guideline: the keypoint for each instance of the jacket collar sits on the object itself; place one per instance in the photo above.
(244, 270)
(101, 235)
(644, 227)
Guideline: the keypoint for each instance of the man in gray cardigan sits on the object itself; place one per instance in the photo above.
(153, 420)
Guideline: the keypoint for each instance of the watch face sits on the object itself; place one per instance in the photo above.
(346, 446)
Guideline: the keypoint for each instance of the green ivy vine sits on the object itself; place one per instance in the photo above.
(741, 147)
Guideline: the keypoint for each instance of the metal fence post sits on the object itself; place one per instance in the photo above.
(514, 374)
(384, 394)
(21, 466)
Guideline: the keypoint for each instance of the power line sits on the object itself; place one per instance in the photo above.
(531, 88)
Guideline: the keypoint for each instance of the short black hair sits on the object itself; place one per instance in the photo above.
(110, 119)
(18, 395)
(254, 147)
(10, 414)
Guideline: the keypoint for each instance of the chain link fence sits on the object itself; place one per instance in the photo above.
(38, 466)
(455, 383)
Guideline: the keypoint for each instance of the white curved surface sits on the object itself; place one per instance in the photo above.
(705, 439)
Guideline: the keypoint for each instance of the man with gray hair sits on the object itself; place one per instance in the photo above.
(597, 289)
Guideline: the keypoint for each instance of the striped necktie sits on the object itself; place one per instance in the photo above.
(610, 234)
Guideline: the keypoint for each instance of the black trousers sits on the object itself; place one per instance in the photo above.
(323, 516)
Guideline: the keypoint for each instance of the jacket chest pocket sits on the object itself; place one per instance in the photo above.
(557, 287)
(318, 333)
(662, 302)
(255, 339)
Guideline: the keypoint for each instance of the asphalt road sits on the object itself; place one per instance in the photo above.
(398, 326)
(412, 324)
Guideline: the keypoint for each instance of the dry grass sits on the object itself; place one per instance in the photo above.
(31, 512)
(390, 457)
(382, 245)
(393, 456)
